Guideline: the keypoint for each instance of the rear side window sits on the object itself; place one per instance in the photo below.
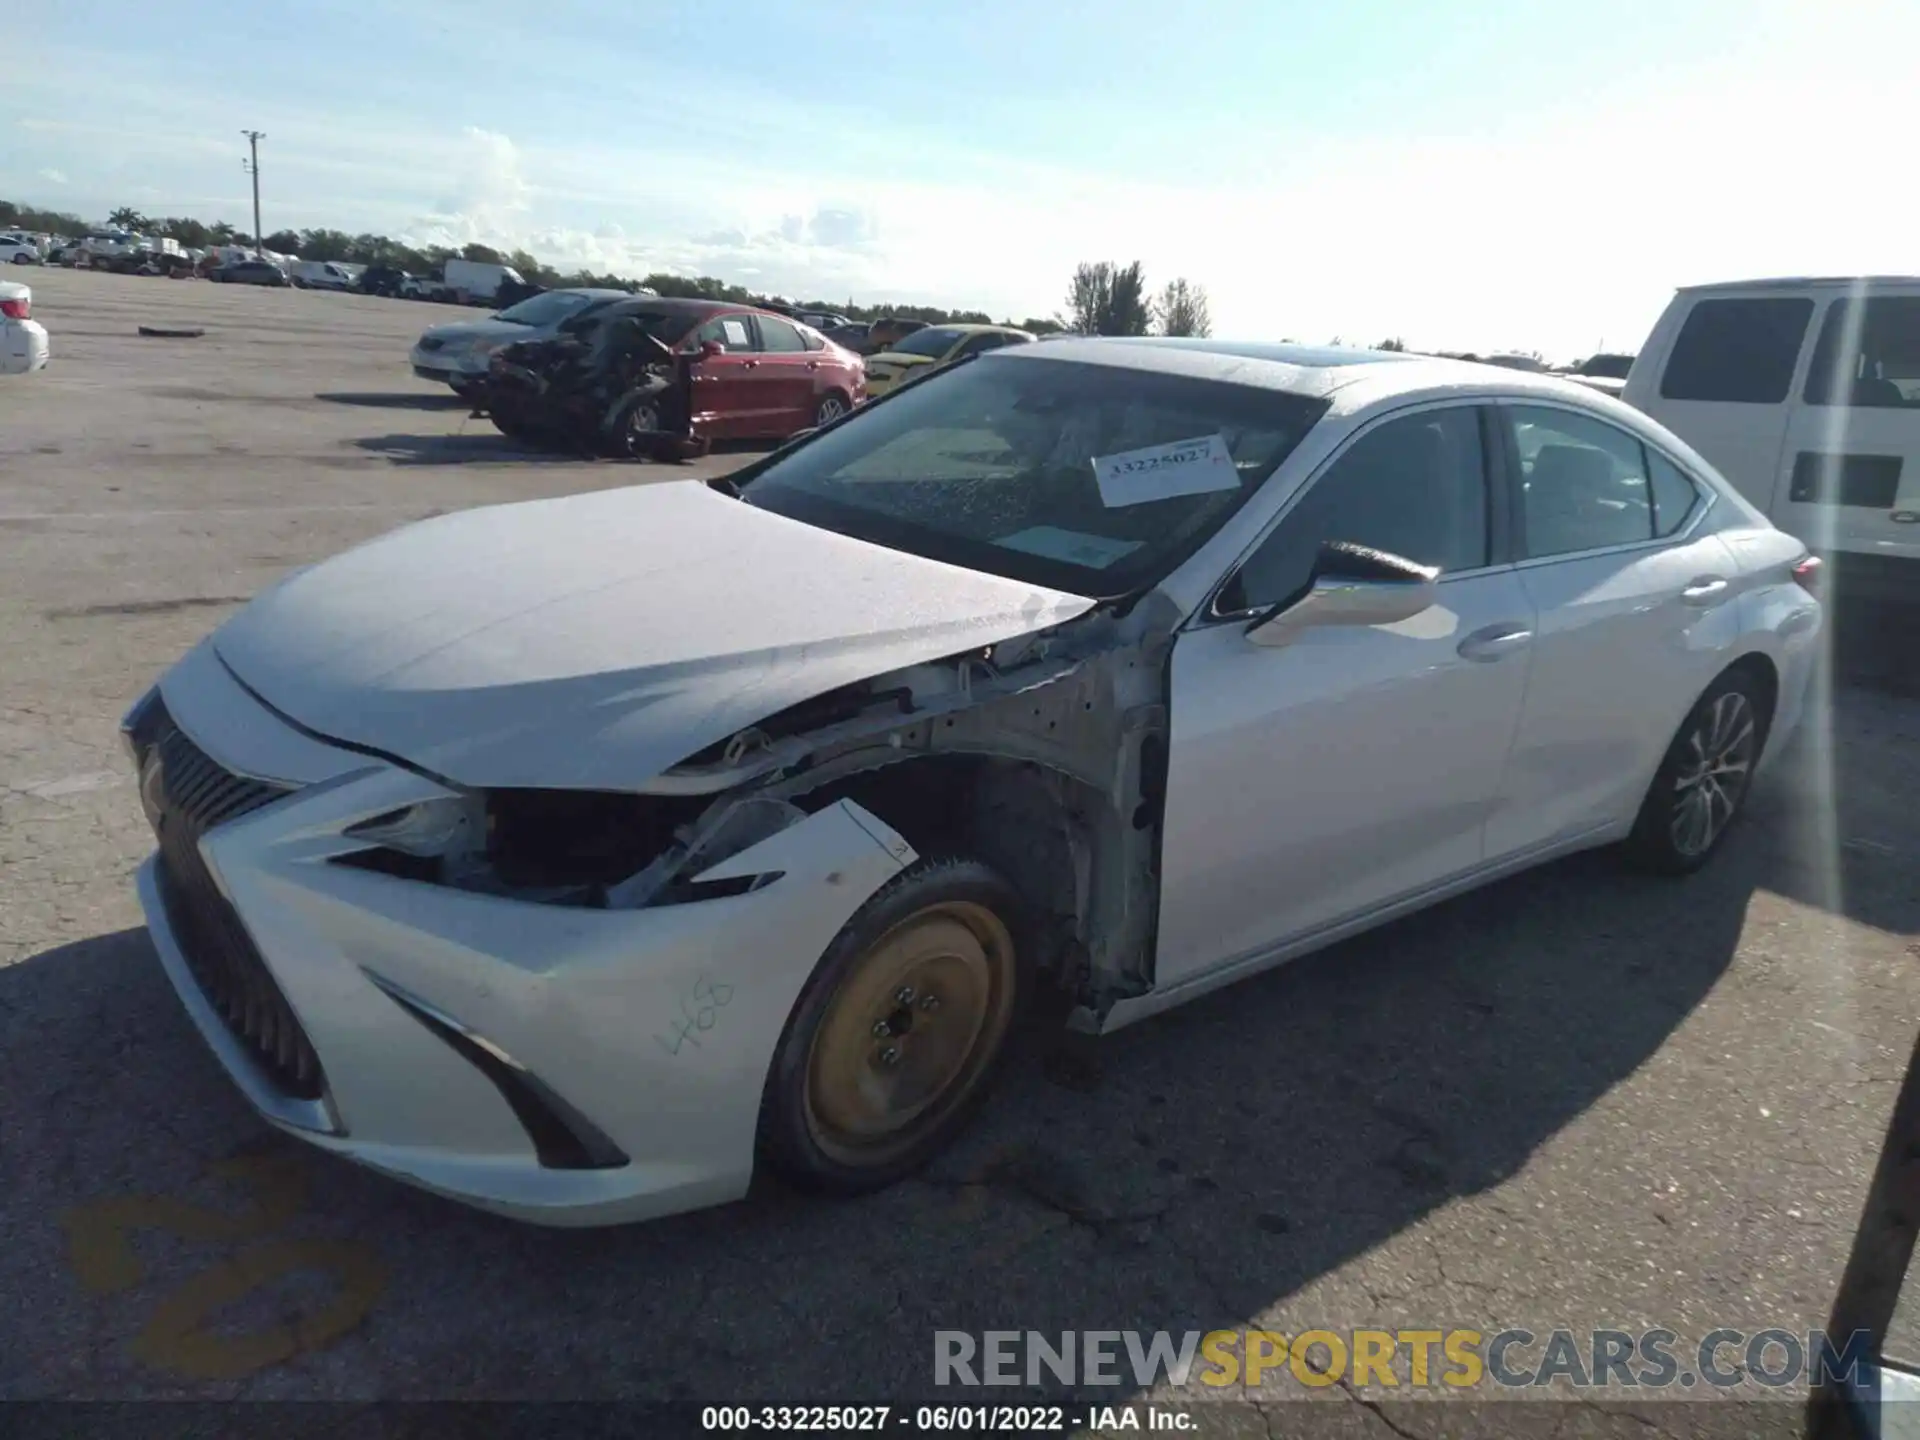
(1737, 351)
(778, 336)
(1583, 482)
(1674, 495)
(1868, 355)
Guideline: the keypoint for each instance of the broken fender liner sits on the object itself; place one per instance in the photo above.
(168, 332)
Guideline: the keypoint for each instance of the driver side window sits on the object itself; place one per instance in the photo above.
(1415, 487)
(731, 331)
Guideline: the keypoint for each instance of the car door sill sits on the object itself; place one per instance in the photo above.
(1139, 1007)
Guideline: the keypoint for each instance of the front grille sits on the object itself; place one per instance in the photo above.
(196, 794)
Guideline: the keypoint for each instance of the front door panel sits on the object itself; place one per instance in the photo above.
(1317, 780)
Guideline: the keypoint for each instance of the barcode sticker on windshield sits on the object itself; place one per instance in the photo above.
(1186, 467)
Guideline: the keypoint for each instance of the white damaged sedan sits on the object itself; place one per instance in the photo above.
(572, 858)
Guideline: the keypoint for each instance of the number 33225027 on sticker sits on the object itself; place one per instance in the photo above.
(1160, 472)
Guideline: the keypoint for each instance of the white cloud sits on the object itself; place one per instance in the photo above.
(54, 177)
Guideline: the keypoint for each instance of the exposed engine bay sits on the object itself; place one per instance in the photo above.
(1044, 755)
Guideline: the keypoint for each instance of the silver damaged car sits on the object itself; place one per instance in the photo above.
(574, 858)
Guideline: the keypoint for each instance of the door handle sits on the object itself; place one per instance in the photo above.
(1495, 642)
(748, 364)
(1705, 591)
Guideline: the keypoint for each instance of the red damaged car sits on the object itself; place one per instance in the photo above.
(616, 378)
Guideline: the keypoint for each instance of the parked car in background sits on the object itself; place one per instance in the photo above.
(19, 249)
(1605, 373)
(385, 280)
(1806, 395)
(1604, 367)
(821, 320)
(457, 354)
(851, 336)
(933, 347)
(23, 339)
(249, 272)
(578, 858)
(319, 275)
(889, 330)
(1532, 364)
(756, 375)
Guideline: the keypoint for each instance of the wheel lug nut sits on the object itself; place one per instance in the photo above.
(881, 1030)
(904, 995)
(929, 1002)
(889, 1056)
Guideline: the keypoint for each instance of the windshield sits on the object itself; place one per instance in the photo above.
(668, 328)
(1086, 478)
(547, 309)
(935, 342)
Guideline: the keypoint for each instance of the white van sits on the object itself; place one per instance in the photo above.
(1806, 395)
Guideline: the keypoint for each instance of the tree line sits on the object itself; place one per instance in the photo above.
(370, 249)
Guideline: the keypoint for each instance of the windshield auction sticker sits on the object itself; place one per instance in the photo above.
(1159, 472)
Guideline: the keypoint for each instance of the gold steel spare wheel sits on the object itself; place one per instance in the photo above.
(910, 1031)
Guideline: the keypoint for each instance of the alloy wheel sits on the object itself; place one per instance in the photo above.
(1714, 772)
(831, 409)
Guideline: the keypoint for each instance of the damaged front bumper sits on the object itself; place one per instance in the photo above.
(560, 1064)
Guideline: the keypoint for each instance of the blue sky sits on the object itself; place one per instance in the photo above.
(1484, 175)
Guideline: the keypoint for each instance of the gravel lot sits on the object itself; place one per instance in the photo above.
(1577, 1099)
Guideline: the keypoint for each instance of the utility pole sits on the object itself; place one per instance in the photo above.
(254, 137)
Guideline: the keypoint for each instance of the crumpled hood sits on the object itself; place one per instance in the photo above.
(592, 642)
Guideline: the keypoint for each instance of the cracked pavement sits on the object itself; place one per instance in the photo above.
(1577, 1099)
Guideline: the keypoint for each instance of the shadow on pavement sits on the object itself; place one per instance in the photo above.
(398, 400)
(467, 448)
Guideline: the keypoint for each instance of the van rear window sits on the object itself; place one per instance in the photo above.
(1737, 351)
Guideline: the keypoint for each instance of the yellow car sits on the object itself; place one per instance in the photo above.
(933, 347)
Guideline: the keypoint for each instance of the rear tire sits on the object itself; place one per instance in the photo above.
(1704, 779)
(900, 1031)
(831, 407)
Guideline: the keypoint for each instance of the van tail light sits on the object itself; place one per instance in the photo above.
(1806, 574)
(17, 309)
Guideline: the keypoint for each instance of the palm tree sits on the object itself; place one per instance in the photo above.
(128, 218)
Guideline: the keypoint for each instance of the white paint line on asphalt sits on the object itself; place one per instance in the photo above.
(73, 784)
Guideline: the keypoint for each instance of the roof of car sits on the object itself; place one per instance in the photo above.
(1301, 369)
(1824, 282)
(969, 329)
(1305, 357)
(692, 309)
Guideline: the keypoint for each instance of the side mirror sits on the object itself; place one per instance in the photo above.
(1351, 585)
(711, 348)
